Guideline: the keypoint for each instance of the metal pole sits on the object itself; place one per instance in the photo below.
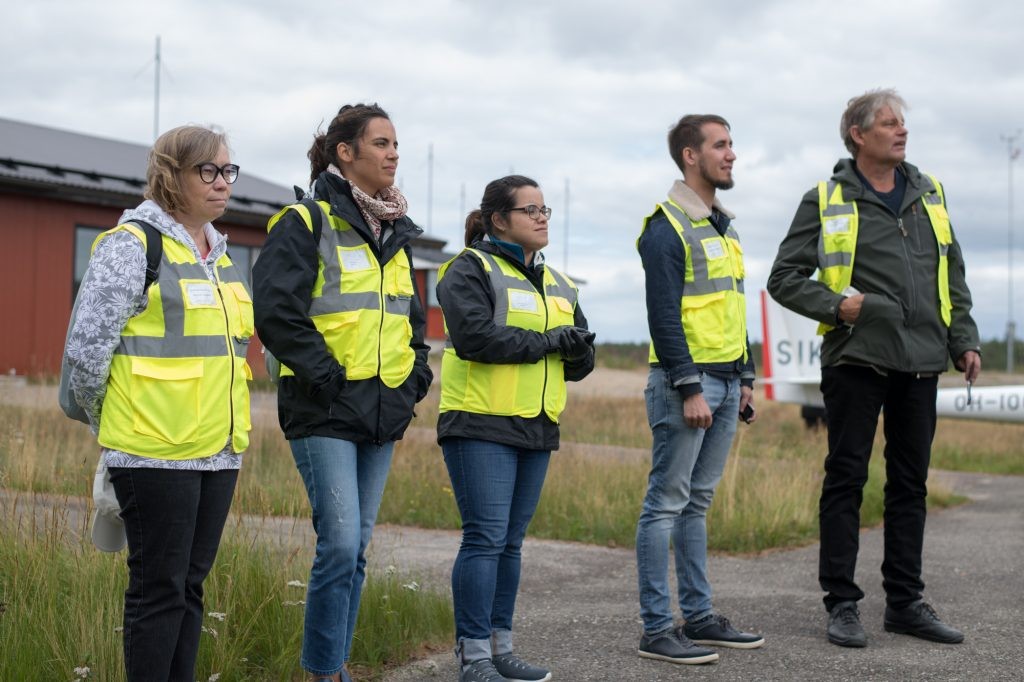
(430, 186)
(1011, 327)
(565, 252)
(156, 93)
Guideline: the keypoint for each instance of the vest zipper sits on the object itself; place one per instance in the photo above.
(231, 356)
(544, 300)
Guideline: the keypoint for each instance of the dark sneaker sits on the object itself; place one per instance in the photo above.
(480, 671)
(515, 669)
(672, 645)
(844, 626)
(718, 631)
(919, 620)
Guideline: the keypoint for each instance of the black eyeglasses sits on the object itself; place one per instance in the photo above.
(209, 172)
(533, 211)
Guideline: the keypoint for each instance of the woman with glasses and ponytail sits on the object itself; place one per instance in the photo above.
(155, 361)
(515, 335)
(337, 305)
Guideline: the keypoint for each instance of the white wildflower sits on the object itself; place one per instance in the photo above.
(294, 603)
(83, 672)
(210, 631)
(412, 587)
(390, 570)
(214, 677)
(296, 583)
(217, 616)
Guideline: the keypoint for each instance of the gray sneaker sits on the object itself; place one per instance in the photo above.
(716, 630)
(515, 669)
(844, 626)
(480, 671)
(672, 645)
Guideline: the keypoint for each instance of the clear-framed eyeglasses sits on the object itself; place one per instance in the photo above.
(208, 172)
(534, 212)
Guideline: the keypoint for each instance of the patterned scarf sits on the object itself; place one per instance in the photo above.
(389, 204)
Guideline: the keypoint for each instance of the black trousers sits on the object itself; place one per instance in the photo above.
(173, 520)
(854, 396)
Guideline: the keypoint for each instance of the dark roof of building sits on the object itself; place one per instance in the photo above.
(76, 166)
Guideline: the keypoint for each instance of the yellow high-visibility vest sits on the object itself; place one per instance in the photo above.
(177, 387)
(837, 243)
(713, 308)
(360, 308)
(524, 389)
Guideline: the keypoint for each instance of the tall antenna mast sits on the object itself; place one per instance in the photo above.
(1012, 152)
(430, 186)
(565, 252)
(156, 93)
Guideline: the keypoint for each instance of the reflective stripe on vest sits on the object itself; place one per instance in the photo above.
(177, 387)
(837, 242)
(524, 389)
(361, 309)
(713, 308)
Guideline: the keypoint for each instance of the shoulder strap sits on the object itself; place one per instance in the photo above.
(154, 250)
(316, 214)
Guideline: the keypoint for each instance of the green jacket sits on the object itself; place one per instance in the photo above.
(899, 327)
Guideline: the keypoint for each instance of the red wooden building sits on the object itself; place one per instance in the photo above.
(59, 189)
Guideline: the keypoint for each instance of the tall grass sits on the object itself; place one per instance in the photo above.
(61, 605)
(595, 486)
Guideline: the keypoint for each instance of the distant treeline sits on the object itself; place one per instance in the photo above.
(634, 355)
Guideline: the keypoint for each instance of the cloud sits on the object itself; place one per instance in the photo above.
(577, 91)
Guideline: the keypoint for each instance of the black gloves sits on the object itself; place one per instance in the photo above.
(572, 343)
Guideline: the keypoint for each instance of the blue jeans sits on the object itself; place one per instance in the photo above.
(686, 465)
(345, 483)
(497, 488)
(173, 520)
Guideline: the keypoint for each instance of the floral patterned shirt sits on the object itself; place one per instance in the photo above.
(110, 295)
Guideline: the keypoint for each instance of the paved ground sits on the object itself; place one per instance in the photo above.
(578, 613)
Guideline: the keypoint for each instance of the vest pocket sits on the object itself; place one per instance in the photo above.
(165, 398)
(704, 321)
(243, 325)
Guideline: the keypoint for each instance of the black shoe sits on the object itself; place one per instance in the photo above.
(844, 626)
(919, 620)
(672, 645)
(717, 631)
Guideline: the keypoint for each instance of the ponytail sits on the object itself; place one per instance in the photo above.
(475, 228)
(347, 127)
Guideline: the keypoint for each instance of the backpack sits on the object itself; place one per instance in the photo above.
(272, 364)
(154, 252)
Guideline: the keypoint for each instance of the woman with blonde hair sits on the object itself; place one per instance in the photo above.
(157, 362)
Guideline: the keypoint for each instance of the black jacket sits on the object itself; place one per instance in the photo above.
(467, 300)
(318, 400)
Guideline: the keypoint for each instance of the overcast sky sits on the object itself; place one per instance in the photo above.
(575, 91)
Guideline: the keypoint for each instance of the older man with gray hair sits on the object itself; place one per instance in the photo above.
(893, 305)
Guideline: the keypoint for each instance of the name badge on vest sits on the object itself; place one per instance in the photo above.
(525, 301)
(834, 225)
(354, 260)
(713, 248)
(199, 295)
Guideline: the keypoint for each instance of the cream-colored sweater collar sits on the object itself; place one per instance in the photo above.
(694, 206)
